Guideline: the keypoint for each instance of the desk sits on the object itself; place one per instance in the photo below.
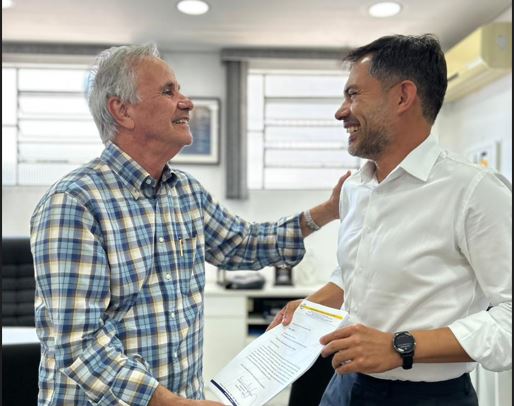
(19, 335)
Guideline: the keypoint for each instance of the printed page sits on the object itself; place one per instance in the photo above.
(277, 358)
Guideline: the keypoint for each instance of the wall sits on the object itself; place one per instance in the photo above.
(202, 75)
(479, 117)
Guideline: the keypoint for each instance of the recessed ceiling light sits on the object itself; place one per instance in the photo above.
(193, 7)
(7, 3)
(384, 9)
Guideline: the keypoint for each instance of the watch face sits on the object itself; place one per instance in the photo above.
(404, 343)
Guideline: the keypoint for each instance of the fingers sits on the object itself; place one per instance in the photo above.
(342, 358)
(285, 315)
(342, 179)
(277, 320)
(345, 176)
(288, 314)
(335, 346)
(336, 335)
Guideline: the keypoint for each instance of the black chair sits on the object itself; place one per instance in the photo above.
(18, 284)
(20, 365)
(309, 388)
(20, 362)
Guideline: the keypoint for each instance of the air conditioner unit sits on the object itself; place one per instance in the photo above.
(480, 58)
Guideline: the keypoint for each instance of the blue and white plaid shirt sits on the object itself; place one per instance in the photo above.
(119, 262)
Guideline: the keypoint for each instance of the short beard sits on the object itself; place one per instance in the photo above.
(371, 146)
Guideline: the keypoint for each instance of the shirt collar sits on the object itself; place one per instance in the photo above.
(421, 159)
(419, 162)
(131, 173)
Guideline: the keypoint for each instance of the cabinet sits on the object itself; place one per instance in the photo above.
(234, 317)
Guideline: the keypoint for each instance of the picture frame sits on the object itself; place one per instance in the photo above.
(205, 126)
(486, 155)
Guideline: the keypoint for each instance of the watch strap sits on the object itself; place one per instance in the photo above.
(309, 221)
(408, 360)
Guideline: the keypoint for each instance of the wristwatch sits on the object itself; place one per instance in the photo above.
(404, 344)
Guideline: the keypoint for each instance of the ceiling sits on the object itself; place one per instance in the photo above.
(241, 23)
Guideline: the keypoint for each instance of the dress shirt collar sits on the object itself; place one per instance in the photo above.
(134, 175)
(419, 162)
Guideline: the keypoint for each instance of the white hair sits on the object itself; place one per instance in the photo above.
(113, 74)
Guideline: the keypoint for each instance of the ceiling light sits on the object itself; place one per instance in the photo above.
(193, 7)
(384, 9)
(7, 3)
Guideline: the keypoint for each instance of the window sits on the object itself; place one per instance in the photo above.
(294, 141)
(47, 129)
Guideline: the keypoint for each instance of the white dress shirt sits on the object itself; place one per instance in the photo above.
(429, 247)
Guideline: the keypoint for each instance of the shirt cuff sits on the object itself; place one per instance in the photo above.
(290, 239)
(484, 341)
(133, 387)
(337, 278)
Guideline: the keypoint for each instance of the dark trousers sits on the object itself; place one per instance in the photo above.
(364, 390)
(309, 388)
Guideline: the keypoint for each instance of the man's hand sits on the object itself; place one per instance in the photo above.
(333, 201)
(327, 211)
(359, 348)
(285, 315)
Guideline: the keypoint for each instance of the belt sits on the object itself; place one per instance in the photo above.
(387, 386)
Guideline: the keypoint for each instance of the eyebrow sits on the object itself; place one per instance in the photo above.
(171, 85)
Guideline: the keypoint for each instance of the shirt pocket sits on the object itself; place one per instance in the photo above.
(191, 275)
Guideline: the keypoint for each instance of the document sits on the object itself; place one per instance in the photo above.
(277, 358)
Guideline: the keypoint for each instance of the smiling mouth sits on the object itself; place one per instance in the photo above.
(352, 129)
(182, 121)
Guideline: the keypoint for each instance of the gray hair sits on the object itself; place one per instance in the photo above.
(113, 74)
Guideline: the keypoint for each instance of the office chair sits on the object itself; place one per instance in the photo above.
(20, 366)
(18, 284)
(20, 362)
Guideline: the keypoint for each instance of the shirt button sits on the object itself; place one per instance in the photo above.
(168, 276)
(172, 315)
(161, 239)
(148, 181)
(175, 354)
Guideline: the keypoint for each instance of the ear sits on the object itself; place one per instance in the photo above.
(406, 96)
(120, 112)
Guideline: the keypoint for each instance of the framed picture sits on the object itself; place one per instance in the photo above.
(205, 127)
(485, 155)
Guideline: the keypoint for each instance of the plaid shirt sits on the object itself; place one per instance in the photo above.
(119, 262)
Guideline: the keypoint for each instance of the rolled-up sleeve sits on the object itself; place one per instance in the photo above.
(73, 285)
(486, 241)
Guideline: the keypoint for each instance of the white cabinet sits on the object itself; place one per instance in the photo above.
(227, 321)
(224, 331)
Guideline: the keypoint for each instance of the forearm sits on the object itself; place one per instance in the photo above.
(329, 295)
(321, 215)
(439, 345)
(327, 211)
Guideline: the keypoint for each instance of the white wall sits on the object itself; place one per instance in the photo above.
(479, 118)
(202, 75)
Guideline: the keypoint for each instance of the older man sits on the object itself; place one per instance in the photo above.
(120, 244)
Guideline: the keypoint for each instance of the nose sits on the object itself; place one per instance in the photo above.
(343, 111)
(185, 104)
